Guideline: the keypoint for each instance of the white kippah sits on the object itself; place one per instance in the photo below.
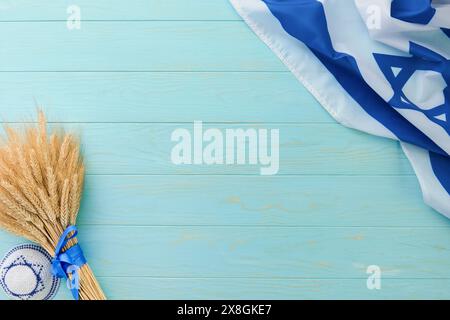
(25, 273)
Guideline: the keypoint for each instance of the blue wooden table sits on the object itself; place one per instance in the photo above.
(138, 69)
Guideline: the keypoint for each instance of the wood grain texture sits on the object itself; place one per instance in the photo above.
(153, 46)
(305, 149)
(374, 201)
(145, 148)
(264, 251)
(137, 70)
(159, 97)
(29, 10)
(242, 288)
(245, 288)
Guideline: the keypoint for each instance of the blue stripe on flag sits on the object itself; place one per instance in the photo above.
(440, 165)
(415, 11)
(446, 31)
(425, 53)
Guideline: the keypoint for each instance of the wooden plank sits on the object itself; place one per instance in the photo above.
(138, 288)
(307, 149)
(26, 10)
(159, 97)
(135, 46)
(256, 201)
(242, 288)
(263, 252)
(133, 148)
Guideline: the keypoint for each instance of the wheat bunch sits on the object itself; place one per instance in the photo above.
(41, 181)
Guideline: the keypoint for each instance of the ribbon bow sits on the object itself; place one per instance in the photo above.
(67, 263)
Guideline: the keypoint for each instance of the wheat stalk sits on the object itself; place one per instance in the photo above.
(41, 179)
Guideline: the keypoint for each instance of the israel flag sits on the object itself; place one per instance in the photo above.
(379, 66)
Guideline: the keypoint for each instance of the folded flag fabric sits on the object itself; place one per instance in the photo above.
(380, 66)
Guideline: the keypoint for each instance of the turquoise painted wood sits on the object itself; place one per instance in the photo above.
(146, 149)
(48, 10)
(230, 200)
(179, 288)
(154, 46)
(254, 288)
(139, 69)
(159, 97)
(264, 251)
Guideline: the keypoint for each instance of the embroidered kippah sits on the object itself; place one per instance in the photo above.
(25, 273)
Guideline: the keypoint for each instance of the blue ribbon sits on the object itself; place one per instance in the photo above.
(67, 263)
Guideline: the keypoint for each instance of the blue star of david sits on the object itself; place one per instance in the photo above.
(37, 270)
(404, 69)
